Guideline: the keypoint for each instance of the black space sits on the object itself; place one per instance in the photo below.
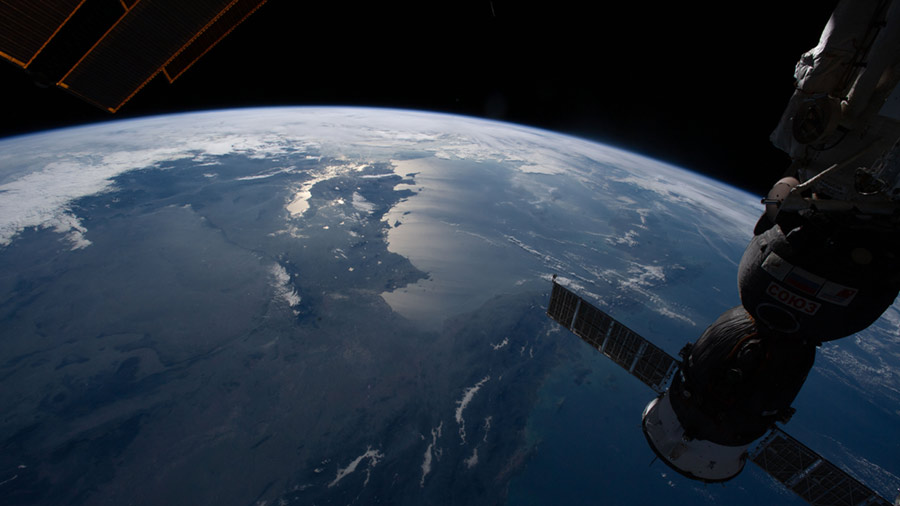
(696, 84)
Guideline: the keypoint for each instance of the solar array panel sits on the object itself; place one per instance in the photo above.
(26, 26)
(235, 14)
(104, 60)
(640, 357)
(563, 304)
(810, 476)
(137, 47)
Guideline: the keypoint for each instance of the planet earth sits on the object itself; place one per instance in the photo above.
(347, 306)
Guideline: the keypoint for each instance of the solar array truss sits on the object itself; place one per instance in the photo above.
(809, 475)
(640, 357)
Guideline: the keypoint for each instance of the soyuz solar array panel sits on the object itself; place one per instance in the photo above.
(810, 476)
(641, 358)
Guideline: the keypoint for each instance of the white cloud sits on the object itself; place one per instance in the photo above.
(266, 175)
(362, 205)
(715, 204)
(461, 404)
(430, 451)
(472, 461)
(373, 456)
(284, 290)
(71, 226)
(501, 344)
(629, 239)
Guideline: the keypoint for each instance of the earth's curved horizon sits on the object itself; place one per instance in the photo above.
(346, 305)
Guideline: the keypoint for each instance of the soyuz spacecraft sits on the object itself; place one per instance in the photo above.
(823, 264)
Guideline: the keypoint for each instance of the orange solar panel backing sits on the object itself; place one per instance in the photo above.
(222, 26)
(26, 26)
(146, 39)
